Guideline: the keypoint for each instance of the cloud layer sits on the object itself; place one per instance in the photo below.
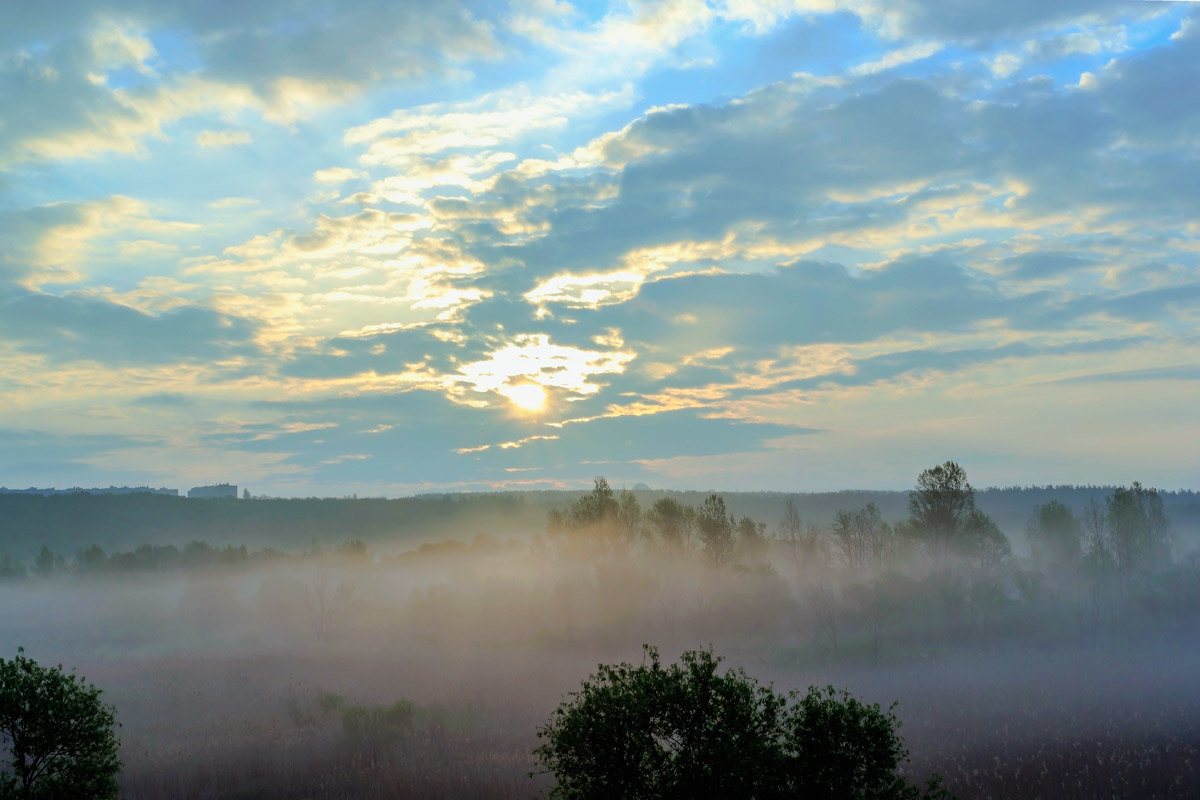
(387, 248)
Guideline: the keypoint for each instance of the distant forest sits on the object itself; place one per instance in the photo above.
(67, 523)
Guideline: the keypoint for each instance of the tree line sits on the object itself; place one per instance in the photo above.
(1125, 535)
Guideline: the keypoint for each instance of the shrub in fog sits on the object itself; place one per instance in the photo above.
(687, 730)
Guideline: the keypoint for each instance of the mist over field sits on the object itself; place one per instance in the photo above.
(395, 664)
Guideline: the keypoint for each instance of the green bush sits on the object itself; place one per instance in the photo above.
(686, 730)
(59, 736)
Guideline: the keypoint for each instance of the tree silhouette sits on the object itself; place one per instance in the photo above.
(716, 529)
(938, 508)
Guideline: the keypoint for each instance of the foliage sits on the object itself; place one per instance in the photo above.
(716, 529)
(59, 735)
(1054, 533)
(1137, 528)
(367, 727)
(940, 504)
(48, 562)
(10, 569)
(984, 540)
(751, 537)
(686, 731)
(597, 508)
(672, 521)
(942, 513)
(629, 513)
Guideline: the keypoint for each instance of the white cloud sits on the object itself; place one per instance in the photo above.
(337, 175)
(896, 58)
(233, 202)
(224, 138)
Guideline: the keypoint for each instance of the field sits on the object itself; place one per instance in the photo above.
(353, 672)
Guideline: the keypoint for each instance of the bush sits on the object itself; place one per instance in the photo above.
(686, 731)
(59, 736)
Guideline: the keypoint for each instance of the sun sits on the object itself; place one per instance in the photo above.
(526, 396)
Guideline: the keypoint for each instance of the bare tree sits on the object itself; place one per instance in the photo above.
(802, 543)
(330, 609)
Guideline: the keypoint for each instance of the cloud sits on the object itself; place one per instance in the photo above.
(73, 327)
(896, 58)
(233, 202)
(335, 175)
(225, 138)
(278, 61)
(51, 243)
(762, 254)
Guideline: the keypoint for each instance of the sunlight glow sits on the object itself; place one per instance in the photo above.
(526, 396)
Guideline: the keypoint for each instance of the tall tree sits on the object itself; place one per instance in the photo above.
(804, 544)
(1054, 533)
(860, 537)
(984, 541)
(672, 521)
(1137, 528)
(598, 507)
(939, 506)
(629, 512)
(716, 529)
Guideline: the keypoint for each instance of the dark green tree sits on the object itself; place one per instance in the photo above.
(672, 521)
(1054, 536)
(598, 508)
(1137, 529)
(629, 512)
(751, 537)
(93, 559)
(10, 569)
(939, 506)
(688, 730)
(716, 529)
(58, 734)
(48, 562)
(984, 541)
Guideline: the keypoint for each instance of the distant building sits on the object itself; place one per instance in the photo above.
(218, 491)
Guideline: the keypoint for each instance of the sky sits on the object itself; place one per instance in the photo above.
(383, 247)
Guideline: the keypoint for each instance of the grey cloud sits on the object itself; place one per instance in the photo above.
(19, 229)
(46, 55)
(345, 356)
(83, 327)
(37, 458)
(674, 433)
(894, 365)
(774, 158)
(1154, 91)
(1180, 373)
(981, 20)
(164, 400)
(807, 303)
(356, 41)
(711, 169)
(1045, 264)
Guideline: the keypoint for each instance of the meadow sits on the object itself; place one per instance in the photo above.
(348, 670)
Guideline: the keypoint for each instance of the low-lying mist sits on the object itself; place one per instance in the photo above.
(348, 671)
